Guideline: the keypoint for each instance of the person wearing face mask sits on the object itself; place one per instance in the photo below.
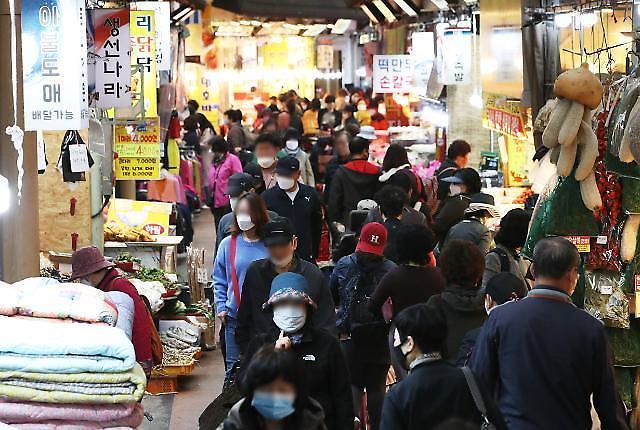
(223, 166)
(275, 396)
(298, 202)
(501, 289)
(239, 184)
(473, 227)
(465, 184)
(328, 115)
(419, 338)
(317, 350)
(266, 151)
(90, 266)
(281, 244)
(292, 148)
(564, 350)
(236, 253)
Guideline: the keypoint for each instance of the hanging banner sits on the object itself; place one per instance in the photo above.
(137, 139)
(392, 73)
(151, 216)
(137, 168)
(54, 65)
(162, 18)
(324, 57)
(423, 55)
(454, 56)
(502, 115)
(110, 46)
(143, 56)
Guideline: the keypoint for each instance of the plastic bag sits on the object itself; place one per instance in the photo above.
(605, 299)
(616, 129)
(538, 224)
(568, 216)
(542, 173)
(630, 195)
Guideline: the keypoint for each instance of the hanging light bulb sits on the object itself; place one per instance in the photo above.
(564, 19)
(5, 194)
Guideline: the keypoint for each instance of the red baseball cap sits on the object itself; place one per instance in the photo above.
(373, 239)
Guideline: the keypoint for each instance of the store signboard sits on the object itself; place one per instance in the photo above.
(143, 56)
(392, 73)
(423, 54)
(145, 169)
(110, 45)
(137, 139)
(454, 56)
(151, 216)
(54, 65)
(502, 115)
(324, 57)
(162, 18)
(518, 156)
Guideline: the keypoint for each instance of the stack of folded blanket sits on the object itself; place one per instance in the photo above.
(64, 364)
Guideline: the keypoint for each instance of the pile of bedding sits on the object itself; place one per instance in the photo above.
(66, 358)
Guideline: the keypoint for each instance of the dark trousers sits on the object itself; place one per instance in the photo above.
(218, 213)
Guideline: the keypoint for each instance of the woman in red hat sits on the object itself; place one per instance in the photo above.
(363, 334)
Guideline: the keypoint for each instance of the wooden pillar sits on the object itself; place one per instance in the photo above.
(19, 241)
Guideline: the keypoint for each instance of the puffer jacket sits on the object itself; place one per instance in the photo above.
(239, 417)
(357, 180)
(464, 310)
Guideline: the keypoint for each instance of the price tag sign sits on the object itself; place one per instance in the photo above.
(203, 276)
(606, 289)
(583, 243)
(602, 240)
(79, 158)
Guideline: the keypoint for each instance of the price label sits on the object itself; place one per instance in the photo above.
(79, 158)
(606, 289)
(203, 276)
(602, 240)
(583, 243)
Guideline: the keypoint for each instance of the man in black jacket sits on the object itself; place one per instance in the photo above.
(544, 358)
(298, 202)
(420, 334)
(281, 244)
(457, 158)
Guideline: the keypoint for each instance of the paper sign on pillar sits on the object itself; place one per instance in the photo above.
(54, 65)
(136, 148)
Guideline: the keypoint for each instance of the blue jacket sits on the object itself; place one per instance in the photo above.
(544, 358)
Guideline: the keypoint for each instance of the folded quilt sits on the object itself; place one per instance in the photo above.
(80, 416)
(43, 297)
(126, 310)
(40, 345)
(74, 387)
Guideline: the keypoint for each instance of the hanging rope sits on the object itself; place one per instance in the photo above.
(14, 131)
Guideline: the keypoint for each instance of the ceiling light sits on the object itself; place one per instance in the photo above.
(341, 26)
(182, 14)
(407, 6)
(383, 7)
(441, 4)
(563, 20)
(366, 9)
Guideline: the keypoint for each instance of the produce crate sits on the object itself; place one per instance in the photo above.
(162, 385)
(174, 371)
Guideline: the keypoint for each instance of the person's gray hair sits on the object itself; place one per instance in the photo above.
(553, 257)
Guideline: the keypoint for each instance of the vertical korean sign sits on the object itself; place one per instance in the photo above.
(392, 73)
(454, 56)
(111, 47)
(143, 56)
(162, 21)
(136, 145)
(54, 58)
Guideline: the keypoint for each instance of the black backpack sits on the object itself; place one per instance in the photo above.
(505, 266)
(364, 323)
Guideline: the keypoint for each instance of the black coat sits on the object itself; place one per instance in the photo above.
(305, 212)
(252, 320)
(432, 394)
(357, 180)
(447, 169)
(326, 371)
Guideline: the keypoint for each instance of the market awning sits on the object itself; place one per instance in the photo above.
(326, 9)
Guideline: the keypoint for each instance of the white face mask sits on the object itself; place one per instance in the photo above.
(286, 183)
(266, 162)
(454, 190)
(290, 319)
(282, 263)
(244, 222)
(233, 201)
(292, 144)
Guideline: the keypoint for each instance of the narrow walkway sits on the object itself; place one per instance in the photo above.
(181, 411)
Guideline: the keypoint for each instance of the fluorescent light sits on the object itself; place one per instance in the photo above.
(183, 14)
(370, 14)
(314, 30)
(406, 7)
(563, 20)
(441, 4)
(386, 11)
(341, 26)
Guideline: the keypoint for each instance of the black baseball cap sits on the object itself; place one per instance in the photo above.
(288, 165)
(278, 231)
(240, 183)
(463, 176)
(502, 286)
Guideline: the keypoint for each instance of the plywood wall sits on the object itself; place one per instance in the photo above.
(56, 224)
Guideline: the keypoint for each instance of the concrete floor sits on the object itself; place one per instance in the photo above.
(181, 411)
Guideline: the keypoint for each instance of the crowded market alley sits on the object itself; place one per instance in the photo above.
(303, 215)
